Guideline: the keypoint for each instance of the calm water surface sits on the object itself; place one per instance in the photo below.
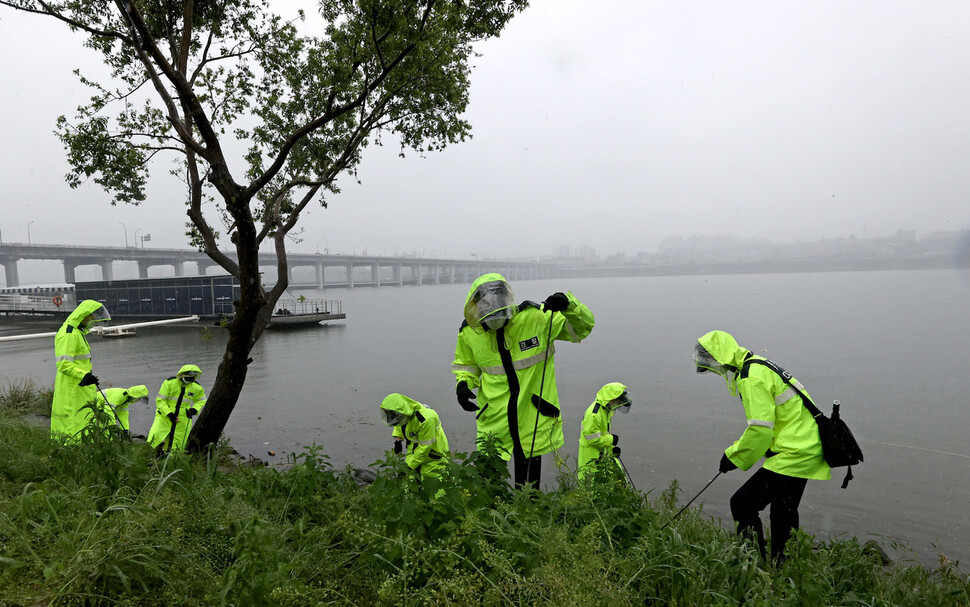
(889, 345)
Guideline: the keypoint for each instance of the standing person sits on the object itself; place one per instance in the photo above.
(506, 351)
(74, 383)
(596, 443)
(119, 400)
(179, 400)
(780, 429)
(427, 445)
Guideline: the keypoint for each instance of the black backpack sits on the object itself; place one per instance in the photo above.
(839, 447)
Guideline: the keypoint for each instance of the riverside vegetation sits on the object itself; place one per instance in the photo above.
(105, 522)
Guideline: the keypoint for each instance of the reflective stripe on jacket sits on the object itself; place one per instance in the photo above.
(72, 358)
(165, 403)
(509, 362)
(427, 445)
(776, 418)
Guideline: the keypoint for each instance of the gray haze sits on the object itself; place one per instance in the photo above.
(611, 127)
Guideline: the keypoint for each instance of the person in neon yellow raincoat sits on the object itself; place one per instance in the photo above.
(427, 445)
(179, 400)
(779, 429)
(74, 383)
(596, 443)
(506, 351)
(119, 401)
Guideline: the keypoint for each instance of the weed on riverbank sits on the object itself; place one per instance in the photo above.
(107, 523)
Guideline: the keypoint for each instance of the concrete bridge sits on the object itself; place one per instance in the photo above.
(330, 270)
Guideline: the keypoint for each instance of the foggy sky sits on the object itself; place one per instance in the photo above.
(610, 124)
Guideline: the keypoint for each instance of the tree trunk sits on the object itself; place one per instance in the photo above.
(252, 314)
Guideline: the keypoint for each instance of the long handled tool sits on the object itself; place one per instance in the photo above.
(628, 477)
(542, 384)
(691, 501)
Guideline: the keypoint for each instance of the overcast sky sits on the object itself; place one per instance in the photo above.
(610, 124)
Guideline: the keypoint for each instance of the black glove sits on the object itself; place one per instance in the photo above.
(616, 451)
(465, 397)
(191, 413)
(88, 380)
(170, 416)
(616, 439)
(726, 465)
(398, 447)
(557, 302)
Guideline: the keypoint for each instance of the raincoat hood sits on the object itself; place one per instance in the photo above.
(136, 393)
(188, 369)
(609, 392)
(83, 309)
(401, 404)
(724, 348)
(484, 302)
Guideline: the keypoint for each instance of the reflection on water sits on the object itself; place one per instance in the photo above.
(884, 343)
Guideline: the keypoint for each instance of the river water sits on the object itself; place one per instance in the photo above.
(892, 346)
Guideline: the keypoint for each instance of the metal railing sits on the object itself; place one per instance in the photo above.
(37, 303)
(289, 307)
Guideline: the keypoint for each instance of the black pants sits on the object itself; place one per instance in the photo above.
(527, 469)
(763, 488)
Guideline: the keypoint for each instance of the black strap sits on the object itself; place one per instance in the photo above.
(786, 377)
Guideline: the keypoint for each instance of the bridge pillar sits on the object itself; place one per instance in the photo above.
(143, 269)
(107, 272)
(375, 273)
(179, 268)
(69, 268)
(350, 275)
(397, 274)
(202, 267)
(319, 271)
(10, 269)
(436, 268)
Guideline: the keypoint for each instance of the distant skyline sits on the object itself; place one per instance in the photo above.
(612, 126)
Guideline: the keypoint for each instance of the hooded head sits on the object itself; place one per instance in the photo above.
(88, 308)
(136, 394)
(397, 409)
(719, 352)
(614, 397)
(188, 374)
(490, 303)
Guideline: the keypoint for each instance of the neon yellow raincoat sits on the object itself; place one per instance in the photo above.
(73, 361)
(595, 440)
(178, 402)
(427, 445)
(777, 420)
(119, 399)
(506, 365)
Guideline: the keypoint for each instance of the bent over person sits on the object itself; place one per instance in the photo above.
(597, 444)
(179, 400)
(119, 400)
(506, 351)
(420, 427)
(74, 384)
(780, 429)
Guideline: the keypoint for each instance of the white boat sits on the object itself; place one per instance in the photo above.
(118, 333)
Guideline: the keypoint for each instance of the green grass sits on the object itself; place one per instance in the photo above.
(106, 523)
